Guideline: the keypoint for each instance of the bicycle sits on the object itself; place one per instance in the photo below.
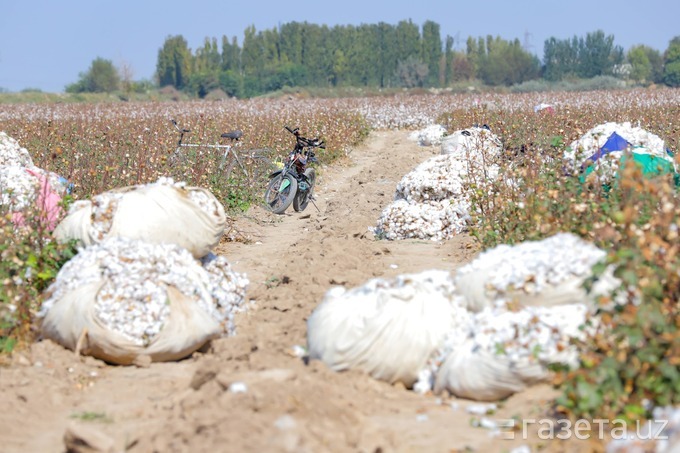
(258, 161)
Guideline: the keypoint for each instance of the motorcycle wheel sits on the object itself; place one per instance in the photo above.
(280, 193)
(302, 198)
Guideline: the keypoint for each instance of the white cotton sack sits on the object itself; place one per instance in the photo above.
(547, 272)
(432, 135)
(125, 298)
(476, 142)
(386, 328)
(503, 352)
(162, 212)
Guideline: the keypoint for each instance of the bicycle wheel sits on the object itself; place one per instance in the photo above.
(259, 170)
(280, 193)
(303, 198)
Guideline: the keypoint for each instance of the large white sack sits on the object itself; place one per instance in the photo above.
(386, 328)
(127, 298)
(162, 212)
(476, 143)
(431, 135)
(547, 272)
(501, 352)
(12, 154)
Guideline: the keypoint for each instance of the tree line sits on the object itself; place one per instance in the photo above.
(301, 54)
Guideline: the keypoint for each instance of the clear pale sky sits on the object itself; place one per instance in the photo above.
(47, 44)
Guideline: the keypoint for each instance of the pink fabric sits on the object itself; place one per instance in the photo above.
(47, 204)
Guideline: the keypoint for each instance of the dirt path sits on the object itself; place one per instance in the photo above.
(291, 261)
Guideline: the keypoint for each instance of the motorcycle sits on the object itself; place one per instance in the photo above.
(294, 183)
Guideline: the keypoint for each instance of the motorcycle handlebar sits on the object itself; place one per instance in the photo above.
(313, 142)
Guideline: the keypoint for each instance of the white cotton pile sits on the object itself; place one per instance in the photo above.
(435, 220)
(431, 201)
(594, 139)
(559, 264)
(18, 188)
(432, 135)
(487, 352)
(21, 181)
(526, 303)
(443, 177)
(133, 299)
(227, 287)
(12, 154)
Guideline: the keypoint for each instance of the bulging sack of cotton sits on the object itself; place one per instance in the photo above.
(592, 142)
(434, 220)
(12, 154)
(386, 328)
(503, 352)
(124, 298)
(547, 272)
(432, 135)
(474, 142)
(161, 212)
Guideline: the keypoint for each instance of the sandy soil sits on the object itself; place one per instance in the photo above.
(289, 405)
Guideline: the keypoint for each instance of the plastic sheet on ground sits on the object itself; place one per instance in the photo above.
(641, 141)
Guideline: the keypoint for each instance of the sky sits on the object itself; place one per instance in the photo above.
(47, 44)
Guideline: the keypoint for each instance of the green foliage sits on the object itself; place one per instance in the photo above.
(174, 62)
(102, 77)
(646, 64)
(412, 73)
(596, 83)
(432, 50)
(671, 71)
(29, 261)
(594, 55)
(506, 63)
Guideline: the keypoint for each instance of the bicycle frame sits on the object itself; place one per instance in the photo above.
(227, 148)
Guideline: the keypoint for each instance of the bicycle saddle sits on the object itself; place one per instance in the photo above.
(234, 135)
